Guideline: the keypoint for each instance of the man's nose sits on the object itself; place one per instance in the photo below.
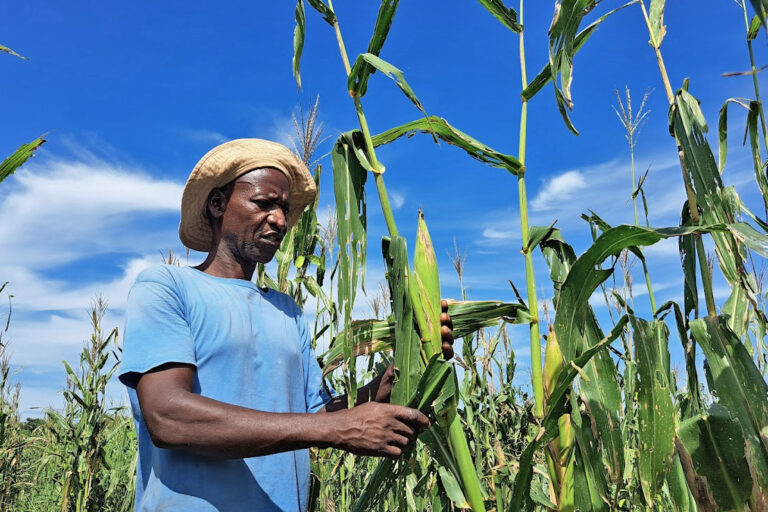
(277, 219)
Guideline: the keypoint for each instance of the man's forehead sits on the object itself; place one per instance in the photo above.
(262, 175)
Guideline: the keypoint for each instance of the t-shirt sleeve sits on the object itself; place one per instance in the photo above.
(156, 329)
(316, 392)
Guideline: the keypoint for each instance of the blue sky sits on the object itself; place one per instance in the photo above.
(133, 94)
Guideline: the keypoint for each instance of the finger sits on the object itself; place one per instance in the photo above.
(444, 306)
(447, 349)
(445, 319)
(446, 334)
(412, 417)
(393, 452)
(399, 441)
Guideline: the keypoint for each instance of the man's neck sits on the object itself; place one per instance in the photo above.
(221, 263)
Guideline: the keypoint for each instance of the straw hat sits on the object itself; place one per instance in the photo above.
(227, 162)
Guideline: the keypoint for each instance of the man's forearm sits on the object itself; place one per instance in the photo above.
(204, 426)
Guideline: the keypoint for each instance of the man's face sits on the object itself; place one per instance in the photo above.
(254, 221)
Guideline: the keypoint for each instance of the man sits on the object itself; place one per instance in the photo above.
(225, 390)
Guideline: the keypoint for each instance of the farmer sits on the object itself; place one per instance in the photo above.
(226, 393)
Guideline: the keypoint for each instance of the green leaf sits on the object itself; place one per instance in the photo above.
(761, 8)
(362, 70)
(506, 15)
(590, 487)
(601, 391)
(440, 127)
(656, 413)
(407, 345)
(679, 492)
(689, 127)
(298, 41)
(584, 277)
(388, 69)
(739, 386)
(723, 131)
(549, 429)
(656, 18)
(711, 448)
(349, 176)
(5, 49)
(754, 145)
(17, 159)
(562, 48)
(371, 336)
(452, 487)
(754, 28)
(545, 75)
(327, 13)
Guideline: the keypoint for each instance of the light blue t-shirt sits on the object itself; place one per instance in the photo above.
(251, 348)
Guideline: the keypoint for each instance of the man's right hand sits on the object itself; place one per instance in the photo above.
(376, 429)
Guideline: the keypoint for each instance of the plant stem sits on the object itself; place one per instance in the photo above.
(378, 169)
(533, 308)
(692, 207)
(754, 77)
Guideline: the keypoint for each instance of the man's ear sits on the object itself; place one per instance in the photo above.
(217, 204)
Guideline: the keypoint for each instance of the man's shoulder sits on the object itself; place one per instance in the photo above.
(163, 274)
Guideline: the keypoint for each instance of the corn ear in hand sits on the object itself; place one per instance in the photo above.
(424, 289)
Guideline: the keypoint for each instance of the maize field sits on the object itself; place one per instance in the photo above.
(604, 423)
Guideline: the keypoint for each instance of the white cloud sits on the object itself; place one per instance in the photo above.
(57, 211)
(561, 187)
(397, 200)
(206, 136)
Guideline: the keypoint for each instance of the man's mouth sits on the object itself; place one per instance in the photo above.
(273, 238)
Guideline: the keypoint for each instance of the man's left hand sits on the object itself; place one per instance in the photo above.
(387, 379)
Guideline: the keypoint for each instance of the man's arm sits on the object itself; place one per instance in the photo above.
(179, 419)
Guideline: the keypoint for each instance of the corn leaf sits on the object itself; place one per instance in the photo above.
(689, 127)
(754, 144)
(739, 386)
(521, 499)
(298, 41)
(754, 28)
(5, 49)
(723, 131)
(562, 48)
(545, 75)
(584, 277)
(601, 390)
(656, 18)
(761, 8)
(679, 492)
(349, 190)
(17, 159)
(407, 346)
(590, 487)
(433, 380)
(388, 69)
(711, 448)
(362, 70)
(371, 336)
(689, 350)
(656, 413)
(506, 15)
(325, 11)
(440, 127)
